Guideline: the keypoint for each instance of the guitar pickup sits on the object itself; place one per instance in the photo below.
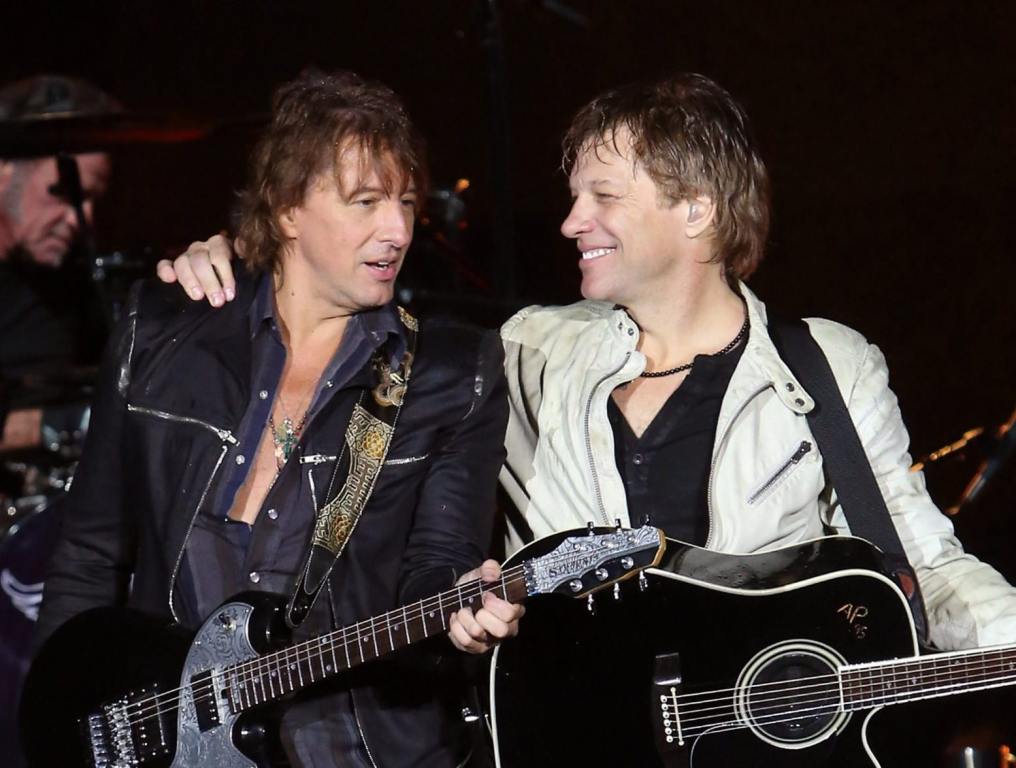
(204, 694)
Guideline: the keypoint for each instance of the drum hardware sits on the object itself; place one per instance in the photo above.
(45, 135)
(995, 445)
(965, 439)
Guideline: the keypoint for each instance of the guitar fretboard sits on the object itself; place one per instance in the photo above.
(896, 681)
(274, 675)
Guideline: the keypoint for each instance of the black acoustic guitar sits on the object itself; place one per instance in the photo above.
(786, 658)
(113, 689)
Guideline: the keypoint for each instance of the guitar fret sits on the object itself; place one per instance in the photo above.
(345, 647)
(373, 635)
(256, 684)
(423, 621)
(441, 613)
(271, 682)
(321, 657)
(359, 644)
(287, 667)
(388, 623)
(405, 623)
(331, 647)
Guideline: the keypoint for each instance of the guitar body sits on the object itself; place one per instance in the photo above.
(581, 688)
(116, 685)
(114, 689)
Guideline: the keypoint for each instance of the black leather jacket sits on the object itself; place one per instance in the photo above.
(172, 391)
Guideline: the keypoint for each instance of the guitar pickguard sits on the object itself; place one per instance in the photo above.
(224, 639)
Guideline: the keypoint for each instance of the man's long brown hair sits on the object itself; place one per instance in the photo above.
(315, 118)
(692, 138)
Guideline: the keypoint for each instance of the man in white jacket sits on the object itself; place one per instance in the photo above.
(662, 393)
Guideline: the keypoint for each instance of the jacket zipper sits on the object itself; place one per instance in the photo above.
(716, 453)
(589, 442)
(226, 437)
(800, 453)
(359, 727)
(223, 434)
(194, 517)
(317, 458)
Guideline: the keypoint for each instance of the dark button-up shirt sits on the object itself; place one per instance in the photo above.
(224, 556)
(666, 470)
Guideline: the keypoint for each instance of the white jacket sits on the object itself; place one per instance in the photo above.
(766, 487)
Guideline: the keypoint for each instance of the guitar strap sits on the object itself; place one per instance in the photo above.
(843, 455)
(368, 438)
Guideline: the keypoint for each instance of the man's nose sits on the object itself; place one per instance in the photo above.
(577, 222)
(397, 227)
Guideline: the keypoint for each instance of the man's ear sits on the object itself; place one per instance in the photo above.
(701, 213)
(287, 223)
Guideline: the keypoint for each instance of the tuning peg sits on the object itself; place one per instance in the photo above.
(590, 605)
(617, 591)
(643, 582)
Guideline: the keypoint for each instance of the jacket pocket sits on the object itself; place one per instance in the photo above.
(223, 434)
(785, 470)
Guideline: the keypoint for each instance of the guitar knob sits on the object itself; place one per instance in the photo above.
(601, 574)
(575, 585)
(627, 563)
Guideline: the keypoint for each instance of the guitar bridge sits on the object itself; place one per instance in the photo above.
(128, 732)
(666, 684)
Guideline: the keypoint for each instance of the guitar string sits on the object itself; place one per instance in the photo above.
(871, 697)
(788, 716)
(317, 649)
(969, 660)
(855, 691)
(853, 673)
(722, 726)
(150, 705)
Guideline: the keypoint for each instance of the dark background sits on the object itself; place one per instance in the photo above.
(887, 127)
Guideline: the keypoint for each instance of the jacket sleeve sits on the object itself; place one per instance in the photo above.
(969, 603)
(455, 509)
(93, 559)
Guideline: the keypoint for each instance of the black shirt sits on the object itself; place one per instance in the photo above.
(666, 471)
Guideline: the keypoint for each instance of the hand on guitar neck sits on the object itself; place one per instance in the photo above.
(496, 619)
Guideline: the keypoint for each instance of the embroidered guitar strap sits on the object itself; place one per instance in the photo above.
(368, 438)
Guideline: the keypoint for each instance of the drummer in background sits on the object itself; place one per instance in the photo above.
(38, 228)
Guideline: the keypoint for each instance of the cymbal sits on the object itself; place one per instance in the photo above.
(77, 133)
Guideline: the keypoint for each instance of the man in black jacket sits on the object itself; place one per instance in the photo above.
(313, 417)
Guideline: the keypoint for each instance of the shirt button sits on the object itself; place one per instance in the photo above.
(273, 514)
(263, 394)
(254, 576)
(329, 384)
(240, 459)
(637, 459)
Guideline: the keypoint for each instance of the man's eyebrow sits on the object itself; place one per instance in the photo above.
(594, 183)
(378, 190)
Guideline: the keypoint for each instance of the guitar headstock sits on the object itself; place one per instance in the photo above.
(589, 561)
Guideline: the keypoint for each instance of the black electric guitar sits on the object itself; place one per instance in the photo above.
(113, 689)
(779, 659)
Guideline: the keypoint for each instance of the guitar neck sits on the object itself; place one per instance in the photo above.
(925, 677)
(280, 673)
